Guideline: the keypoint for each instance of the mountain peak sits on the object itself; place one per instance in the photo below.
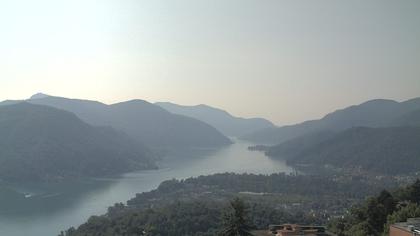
(39, 95)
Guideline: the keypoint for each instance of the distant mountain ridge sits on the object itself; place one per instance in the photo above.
(147, 123)
(39, 95)
(220, 119)
(374, 113)
(44, 143)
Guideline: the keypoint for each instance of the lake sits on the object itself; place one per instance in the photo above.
(49, 208)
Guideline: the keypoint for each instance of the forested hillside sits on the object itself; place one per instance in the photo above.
(195, 206)
(394, 150)
(44, 143)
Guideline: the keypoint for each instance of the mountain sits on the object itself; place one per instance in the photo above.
(374, 113)
(44, 143)
(409, 119)
(393, 150)
(223, 121)
(292, 148)
(146, 122)
(39, 95)
(9, 102)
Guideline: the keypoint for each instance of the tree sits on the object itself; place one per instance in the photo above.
(414, 192)
(388, 201)
(235, 222)
(376, 214)
(412, 210)
(361, 229)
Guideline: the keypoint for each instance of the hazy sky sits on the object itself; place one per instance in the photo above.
(284, 60)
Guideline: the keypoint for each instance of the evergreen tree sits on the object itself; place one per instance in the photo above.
(235, 221)
(376, 214)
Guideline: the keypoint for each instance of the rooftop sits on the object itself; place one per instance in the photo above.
(411, 225)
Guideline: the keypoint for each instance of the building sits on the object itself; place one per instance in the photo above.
(298, 230)
(261, 233)
(409, 228)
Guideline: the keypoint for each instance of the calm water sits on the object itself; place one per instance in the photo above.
(50, 208)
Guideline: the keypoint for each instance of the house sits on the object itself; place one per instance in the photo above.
(298, 230)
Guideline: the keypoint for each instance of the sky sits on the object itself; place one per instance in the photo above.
(287, 61)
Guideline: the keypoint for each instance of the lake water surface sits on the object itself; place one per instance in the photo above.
(50, 208)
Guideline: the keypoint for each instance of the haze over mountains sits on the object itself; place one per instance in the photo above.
(223, 121)
(43, 143)
(147, 123)
(48, 138)
(380, 136)
(374, 113)
(391, 150)
(45, 137)
(357, 136)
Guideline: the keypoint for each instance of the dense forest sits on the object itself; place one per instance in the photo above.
(196, 206)
(375, 215)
